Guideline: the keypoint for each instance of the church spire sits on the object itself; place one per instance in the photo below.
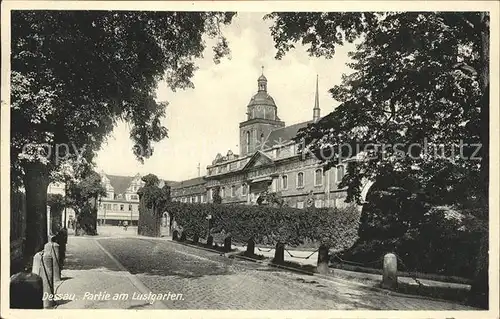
(316, 109)
(262, 81)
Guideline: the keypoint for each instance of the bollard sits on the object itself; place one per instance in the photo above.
(26, 291)
(196, 239)
(46, 272)
(279, 254)
(250, 247)
(322, 266)
(227, 244)
(37, 263)
(175, 235)
(210, 241)
(53, 250)
(390, 272)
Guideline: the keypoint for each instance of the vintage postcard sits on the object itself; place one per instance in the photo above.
(250, 159)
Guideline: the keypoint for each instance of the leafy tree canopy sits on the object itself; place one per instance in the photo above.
(418, 78)
(76, 73)
(81, 192)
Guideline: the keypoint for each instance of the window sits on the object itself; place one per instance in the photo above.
(134, 197)
(300, 204)
(202, 198)
(248, 141)
(318, 203)
(243, 189)
(115, 206)
(318, 177)
(233, 191)
(130, 207)
(222, 192)
(300, 180)
(340, 173)
(210, 194)
(122, 207)
(284, 182)
(261, 140)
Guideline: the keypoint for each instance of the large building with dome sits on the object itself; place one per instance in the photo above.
(268, 160)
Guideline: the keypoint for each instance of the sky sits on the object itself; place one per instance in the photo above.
(204, 121)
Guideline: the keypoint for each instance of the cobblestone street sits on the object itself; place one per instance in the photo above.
(210, 281)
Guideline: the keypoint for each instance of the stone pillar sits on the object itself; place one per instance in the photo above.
(37, 264)
(52, 249)
(322, 266)
(46, 272)
(390, 272)
(210, 241)
(250, 247)
(26, 290)
(279, 254)
(227, 244)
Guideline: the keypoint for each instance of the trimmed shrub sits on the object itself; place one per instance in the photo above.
(268, 225)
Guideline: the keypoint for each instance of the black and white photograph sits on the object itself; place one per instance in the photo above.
(311, 160)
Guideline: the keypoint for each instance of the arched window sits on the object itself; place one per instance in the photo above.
(284, 182)
(261, 140)
(233, 190)
(244, 189)
(318, 177)
(300, 180)
(248, 141)
(222, 192)
(340, 173)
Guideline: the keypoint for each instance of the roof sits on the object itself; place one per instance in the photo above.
(189, 182)
(169, 183)
(261, 98)
(284, 134)
(120, 183)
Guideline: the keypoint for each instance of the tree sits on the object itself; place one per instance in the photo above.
(217, 199)
(153, 203)
(75, 74)
(418, 77)
(83, 196)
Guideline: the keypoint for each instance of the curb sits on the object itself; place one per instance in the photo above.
(329, 277)
(230, 253)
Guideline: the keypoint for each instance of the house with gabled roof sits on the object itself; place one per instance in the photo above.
(122, 201)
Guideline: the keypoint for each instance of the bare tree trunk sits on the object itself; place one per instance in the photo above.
(36, 182)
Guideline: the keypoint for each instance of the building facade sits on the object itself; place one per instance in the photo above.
(121, 202)
(190, 191)
(269, 161)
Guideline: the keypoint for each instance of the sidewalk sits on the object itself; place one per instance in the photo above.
(92, 278)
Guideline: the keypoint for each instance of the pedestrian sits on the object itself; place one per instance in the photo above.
(125, 224)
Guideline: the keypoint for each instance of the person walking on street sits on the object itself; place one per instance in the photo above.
(125, 225)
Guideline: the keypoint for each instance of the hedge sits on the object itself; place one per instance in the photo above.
(334, 227)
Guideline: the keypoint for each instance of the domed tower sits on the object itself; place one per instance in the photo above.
(262, 118)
